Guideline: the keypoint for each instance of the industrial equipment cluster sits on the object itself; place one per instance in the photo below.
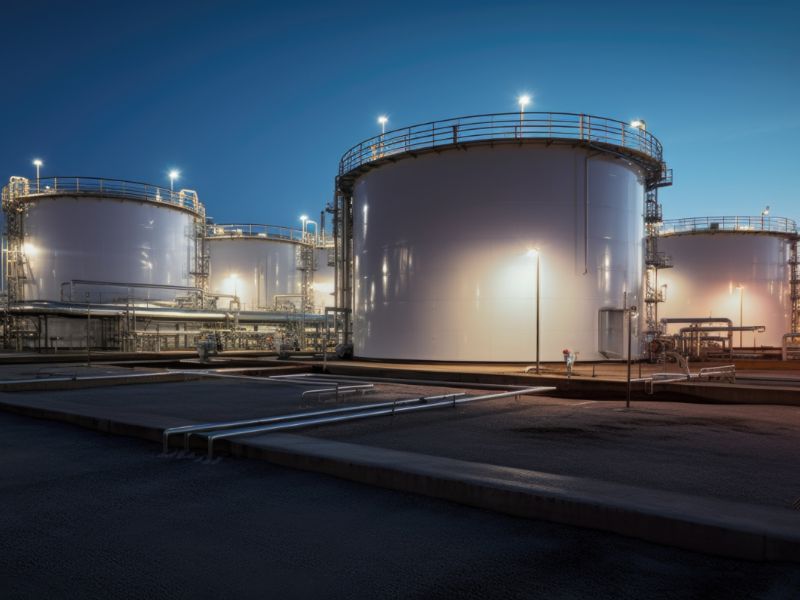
(506, 237)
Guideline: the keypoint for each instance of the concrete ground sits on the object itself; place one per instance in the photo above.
(92, 516)
(163, 405)
(615, 371)
(733, 452)
(11, 372)
(743, 453)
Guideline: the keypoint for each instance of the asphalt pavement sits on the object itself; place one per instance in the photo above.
(94, 516)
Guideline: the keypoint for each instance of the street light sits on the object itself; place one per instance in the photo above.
(37, 162)
(173, 175)
(534, 253)
(383, 119)
(764, 213)
(639, 124)
(631, 313)
(523, 101)
(740, 287)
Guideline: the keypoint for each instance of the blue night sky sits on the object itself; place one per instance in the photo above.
(256, 103)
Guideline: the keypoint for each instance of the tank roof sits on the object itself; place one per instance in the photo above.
(22, 188)
(254, 230)
(729, 224)
(600, 133)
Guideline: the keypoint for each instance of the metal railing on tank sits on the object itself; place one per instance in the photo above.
(254, 230)
(743, 224)
(504, 126)
(136, 190)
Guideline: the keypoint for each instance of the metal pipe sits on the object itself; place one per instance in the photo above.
(113, 310)
(431, 382)
(585, 213)
(338, 390)
(187, 430)
(364, 415)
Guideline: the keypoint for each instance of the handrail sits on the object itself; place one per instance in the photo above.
(254, 230)
(137, 190)
(504, 126)
(728, 223)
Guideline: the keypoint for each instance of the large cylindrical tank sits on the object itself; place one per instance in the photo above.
(259, 264)
(81, 235)
(729, 267)
(448, 233)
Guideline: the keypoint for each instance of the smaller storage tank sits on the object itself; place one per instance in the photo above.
(85, 239)
(258, 264)
(735, 268)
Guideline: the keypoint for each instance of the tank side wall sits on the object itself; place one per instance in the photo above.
(255, 270)
(441, 253)
(324, 280)
(101, 239)
(708, 270)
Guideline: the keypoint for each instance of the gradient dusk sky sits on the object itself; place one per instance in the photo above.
(255, 102)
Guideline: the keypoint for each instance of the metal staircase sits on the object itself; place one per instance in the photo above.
(654, 260)
(306, 267)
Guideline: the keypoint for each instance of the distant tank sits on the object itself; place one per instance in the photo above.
(730, 267)
(260, 265)
(83, 239)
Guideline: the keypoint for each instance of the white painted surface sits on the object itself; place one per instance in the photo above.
(106, 239)
(441, 253)
(254, 269)
(324, 280)
(709, 267)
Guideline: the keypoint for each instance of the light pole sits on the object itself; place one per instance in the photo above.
(630, 311)
(740, 287)
(383, 119)
(173, 175)
(37, 162)
(523, 101)
(534, 252)
(642, 127)
(764, 213)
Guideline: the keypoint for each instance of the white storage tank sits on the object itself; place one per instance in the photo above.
(259, 264)
(104, 241)
(729, 267)
(450, 219)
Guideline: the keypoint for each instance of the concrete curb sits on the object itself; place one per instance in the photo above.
(77, 383)
(700, 524)
(594, 388)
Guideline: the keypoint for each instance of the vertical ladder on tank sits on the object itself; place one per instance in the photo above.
(342, 209)
(654, 260)
(201, 260)
(17, 266)
(305, 264)
(794, 284)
